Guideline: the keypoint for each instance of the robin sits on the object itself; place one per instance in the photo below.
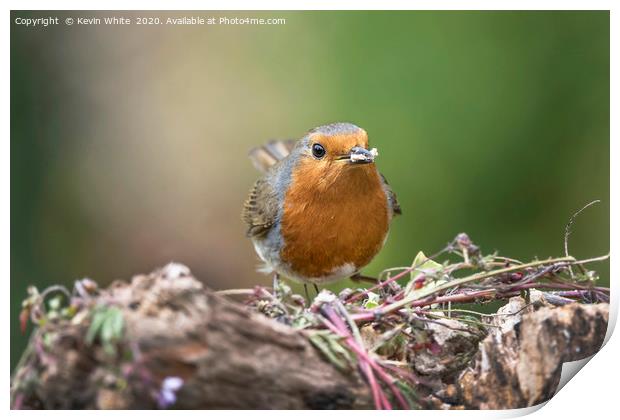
(322, 210)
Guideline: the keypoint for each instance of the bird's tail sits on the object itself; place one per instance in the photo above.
(265, 156)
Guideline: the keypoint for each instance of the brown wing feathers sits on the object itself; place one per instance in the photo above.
(265, 156)
(260, 209)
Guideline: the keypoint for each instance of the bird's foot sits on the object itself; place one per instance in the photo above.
(276, 285)
(316, 289)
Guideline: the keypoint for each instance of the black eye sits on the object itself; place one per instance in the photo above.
(318, 151)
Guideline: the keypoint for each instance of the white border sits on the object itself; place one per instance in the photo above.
(591, 394)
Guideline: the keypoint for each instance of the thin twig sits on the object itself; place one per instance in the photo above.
(231, 292)
(469, 279)
(396, 277)
(593, 259)
(567, 231)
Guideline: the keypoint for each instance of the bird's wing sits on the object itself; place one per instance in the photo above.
(392, 200)
(260, 209)
(265, 156)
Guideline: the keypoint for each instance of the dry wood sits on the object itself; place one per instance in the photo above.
(520, 364)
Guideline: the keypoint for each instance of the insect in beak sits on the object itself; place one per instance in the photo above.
(359, 155)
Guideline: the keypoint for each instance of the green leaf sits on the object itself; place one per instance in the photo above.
(430, 269)
(372, 301)
(107, 333)
(336, 346)
(328, 344)
(95, 325)
(107, 324)
(118, 324)
(425, 266)
(409, 394)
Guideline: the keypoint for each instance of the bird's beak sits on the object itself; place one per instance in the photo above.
(359, 155)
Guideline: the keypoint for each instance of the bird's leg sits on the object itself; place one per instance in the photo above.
(276, 280)
(316, 288)
(358, 278)
(307, 294)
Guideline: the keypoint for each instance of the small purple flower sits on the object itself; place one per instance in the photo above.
(167, 394)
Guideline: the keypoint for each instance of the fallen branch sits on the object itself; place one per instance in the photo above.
(225, 356)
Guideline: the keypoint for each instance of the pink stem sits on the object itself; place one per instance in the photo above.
(467, 297)
(461, 297)
(343, 331)
(558, 286)
(364, 366)
(17, 404)
(379, 285)
(406, 374)
(372, 382)
(384, 400)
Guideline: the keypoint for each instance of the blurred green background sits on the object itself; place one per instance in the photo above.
(128, 143)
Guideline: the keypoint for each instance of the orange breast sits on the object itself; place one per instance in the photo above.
(332, 218)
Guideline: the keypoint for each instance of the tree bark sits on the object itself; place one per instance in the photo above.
(520, 364)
